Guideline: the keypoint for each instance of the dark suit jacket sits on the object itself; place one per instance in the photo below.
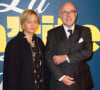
(18, 64)
(78, 53)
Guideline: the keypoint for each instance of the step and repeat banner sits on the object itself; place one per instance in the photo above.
(48, 10)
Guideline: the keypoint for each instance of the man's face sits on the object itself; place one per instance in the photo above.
(68, 14)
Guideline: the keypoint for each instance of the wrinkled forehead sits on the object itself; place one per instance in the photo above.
(67, 7)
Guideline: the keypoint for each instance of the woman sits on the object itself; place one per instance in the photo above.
(23, 59)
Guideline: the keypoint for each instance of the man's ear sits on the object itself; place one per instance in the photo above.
(59, 15)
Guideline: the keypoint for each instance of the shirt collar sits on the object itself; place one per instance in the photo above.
(66, 28)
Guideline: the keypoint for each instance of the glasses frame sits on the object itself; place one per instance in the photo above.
(71, 12)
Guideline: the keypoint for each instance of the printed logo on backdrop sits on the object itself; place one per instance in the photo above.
(47, 22)
(14, 3)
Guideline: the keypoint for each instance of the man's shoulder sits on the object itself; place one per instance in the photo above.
(55, 29)
(81, 27)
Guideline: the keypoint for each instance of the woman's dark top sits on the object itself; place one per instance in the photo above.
(24, 66)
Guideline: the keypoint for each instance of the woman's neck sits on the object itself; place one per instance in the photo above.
(28, 35)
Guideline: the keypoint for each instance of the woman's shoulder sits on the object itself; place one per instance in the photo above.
(38, 39)
(15, 41)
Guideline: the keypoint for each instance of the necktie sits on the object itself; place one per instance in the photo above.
(70, 36)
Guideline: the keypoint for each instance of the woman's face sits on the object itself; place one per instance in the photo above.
(31, 24)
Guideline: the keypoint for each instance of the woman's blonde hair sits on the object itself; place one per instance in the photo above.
(26, 14)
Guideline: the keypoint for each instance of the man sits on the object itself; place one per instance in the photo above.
(68, 49)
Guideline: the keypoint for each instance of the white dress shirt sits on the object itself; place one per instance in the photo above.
(66, 30)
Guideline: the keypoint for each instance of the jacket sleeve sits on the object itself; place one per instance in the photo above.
(85, 53)
(54, 69)
(10, 76)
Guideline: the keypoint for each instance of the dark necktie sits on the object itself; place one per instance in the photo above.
(70, 36)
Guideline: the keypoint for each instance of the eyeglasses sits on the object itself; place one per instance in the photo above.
(72, 12)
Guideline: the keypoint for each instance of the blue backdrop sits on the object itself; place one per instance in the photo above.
(48, 10)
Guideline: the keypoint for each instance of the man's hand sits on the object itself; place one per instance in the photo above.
(58, 59)
(67, 80)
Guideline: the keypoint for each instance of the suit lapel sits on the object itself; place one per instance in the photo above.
(64, 39)
(63, 44)
(76, 35)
